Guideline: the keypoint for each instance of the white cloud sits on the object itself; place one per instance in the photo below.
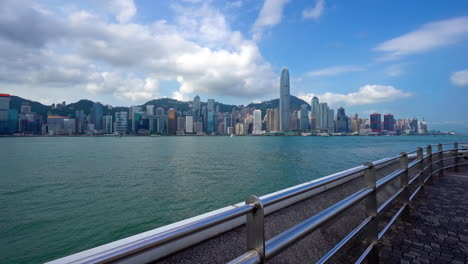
(336, 70)
(368, 94)
(394, 70)
(429, 36)
(460, 78)
(128, 88)
(199, 51)
(123, 10)
(270, 15)
(315, 12)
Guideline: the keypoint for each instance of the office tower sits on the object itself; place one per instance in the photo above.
(150, 110)
(331, 120)
(276, 124)
(389, 122)
(304, 118)
(210, 104)
(293, 121)
(172, 121)
(107, 124)
(197, 108)
(25, 108)
(422, 128)
(96, 115)
(342, 121)
(376, 122)
(4, 113)
(270, 120)
(13, 121)
(161, 120)
(180, 123)
(284, 101)
(210, 121)
(80, 121)
(120, 125)
(69, 125)
(314, 105)
(189, 124)
(221, 128)
(227, 119)
(257, 122)
(198, 127)
(56, 125)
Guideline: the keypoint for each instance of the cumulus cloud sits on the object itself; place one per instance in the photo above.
(427, 37)
(123, 10)
(315, 12)
(368, 94)
(460, 78)
(270, 15)
(336, 70)
(199, 51)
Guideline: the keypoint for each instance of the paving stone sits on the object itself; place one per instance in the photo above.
(437, 229)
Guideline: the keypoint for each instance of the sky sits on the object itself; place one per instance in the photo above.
(408, 58)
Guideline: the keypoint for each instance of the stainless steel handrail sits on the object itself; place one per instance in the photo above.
(282, 241)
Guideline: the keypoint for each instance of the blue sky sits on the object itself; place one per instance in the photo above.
(408, 58)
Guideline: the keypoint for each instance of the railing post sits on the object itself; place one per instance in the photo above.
(371, 210)
(455, 146)
(421, 169)
(441, 157)
(256, 227)
(431, 169)
(404, 180)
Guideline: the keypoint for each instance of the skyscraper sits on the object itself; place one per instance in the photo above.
(189, 124)
(342, 121)
(376, 122)
(96, 115)
(4, 113)
(172, 122)
(314, 105)
(257, 122)
(389, 122)
(284, 101)
(304, 118)
(120, 125)
(107, 120)
(196, 108)
(150, 110)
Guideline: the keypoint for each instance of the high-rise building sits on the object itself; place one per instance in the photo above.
(342, 121)
(161, 120)
(304, 118)
(257, 122)
(4, 113)
(331, 120)
(198, 127)
(80, 121)
(189, 124)
(150, 110)
(389, 122)
(172, 121)
(376, 122)
(196, 109)
(181, 123)
(107, 124)
(314, 107)
(271, 120)
(96, 115)
(120, 125)
(284, 102)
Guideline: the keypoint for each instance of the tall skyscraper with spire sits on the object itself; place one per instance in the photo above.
(284, 103)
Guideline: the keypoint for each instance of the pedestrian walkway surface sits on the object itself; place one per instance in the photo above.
(438, 228)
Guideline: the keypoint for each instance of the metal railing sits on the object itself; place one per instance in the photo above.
(259, 250)
(264, 250)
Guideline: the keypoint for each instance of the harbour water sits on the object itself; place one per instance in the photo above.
(62, 195)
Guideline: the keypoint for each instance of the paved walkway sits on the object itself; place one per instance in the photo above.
(438, 227)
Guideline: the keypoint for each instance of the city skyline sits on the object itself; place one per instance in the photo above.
(127, 52)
